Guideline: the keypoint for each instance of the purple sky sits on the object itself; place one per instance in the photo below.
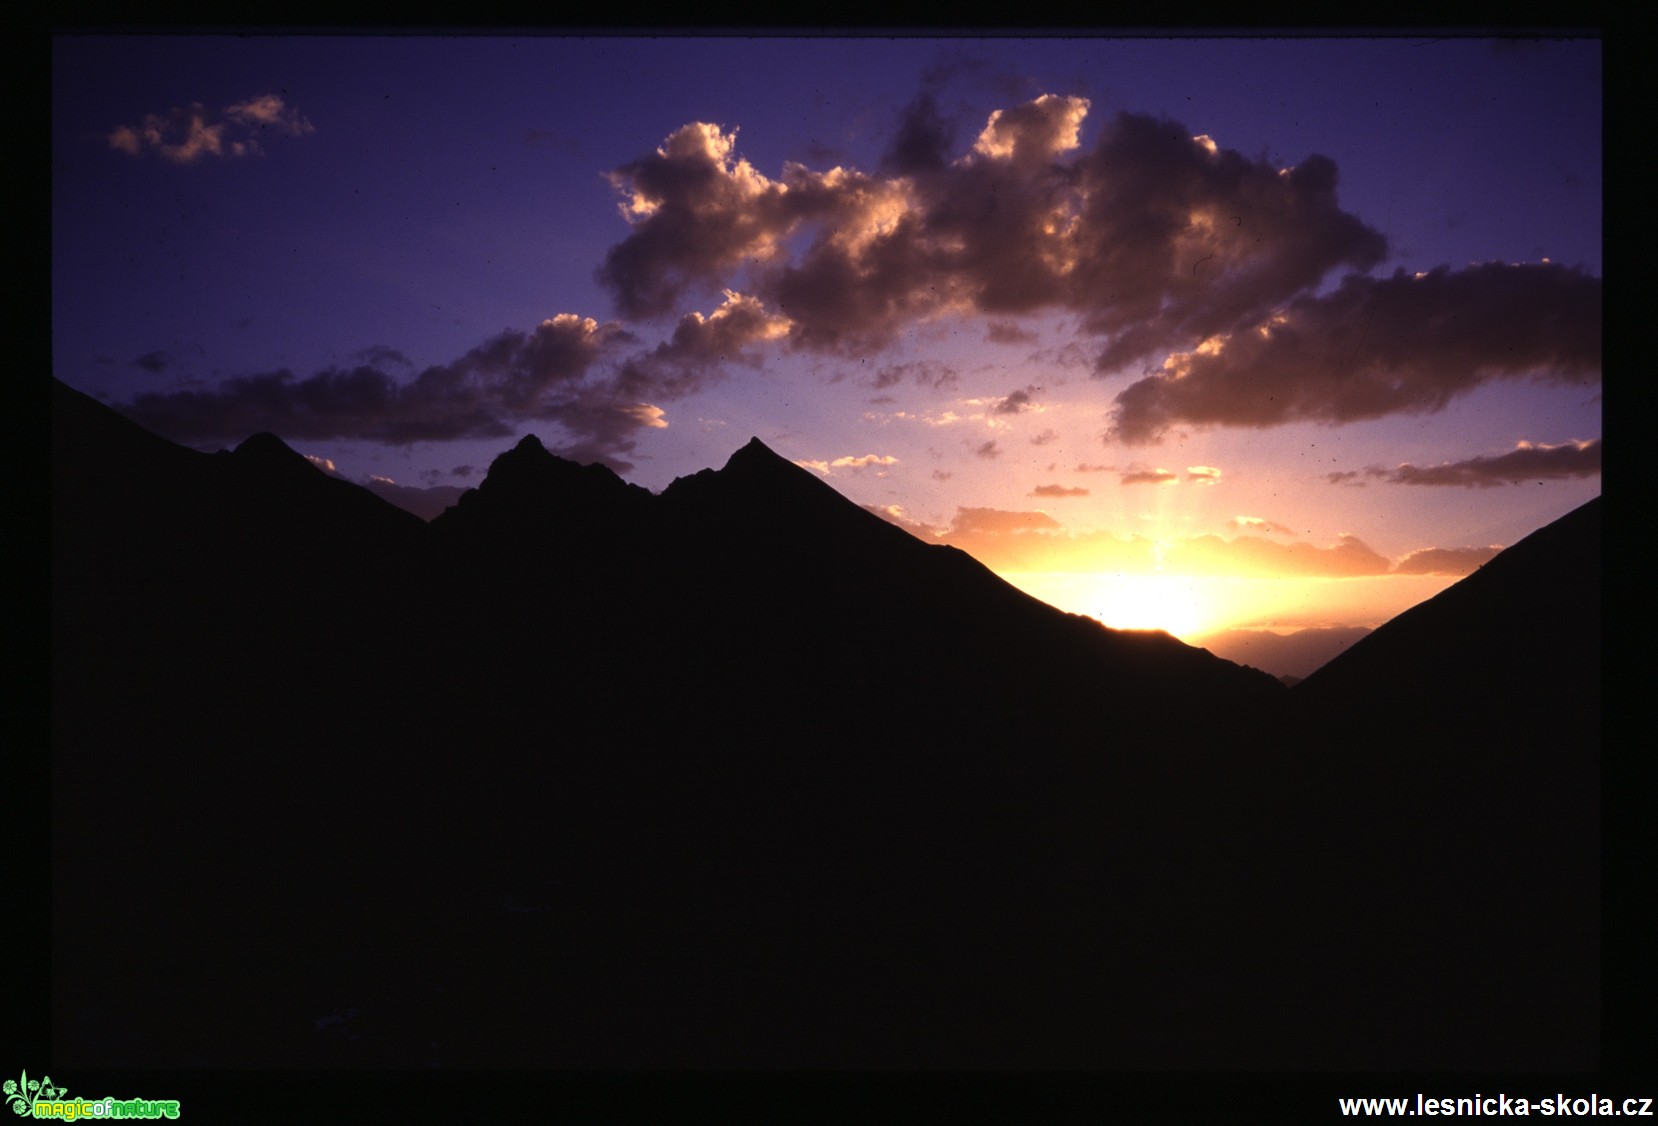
(1137, 320)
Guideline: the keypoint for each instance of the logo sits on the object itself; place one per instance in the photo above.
(39, 1098)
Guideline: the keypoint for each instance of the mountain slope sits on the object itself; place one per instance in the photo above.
(1507, 657)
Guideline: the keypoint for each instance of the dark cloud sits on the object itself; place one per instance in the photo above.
(923, 140)
(1526, 462)
(988, 450)
(1379, 346)
(510, 378)
(382, 356)
(1015, 402)
(1154, 236)
(1008, 332)
(1149, 477)
(1044, 438)
(1344, 477)
(1057, 491)
(1445, 560)
(462, 471)
(928, 373)
(153, 362)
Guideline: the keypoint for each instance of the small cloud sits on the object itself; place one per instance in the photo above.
(827, 468)
(1044, 438)
(1016, 402)
(1008, 332)
(153, 362)
(323, 463)
(1057, 491)
(461, 471)
(186, 134)
(1256, 524)
(988, 450)
(1149, 477)
(1202, 474)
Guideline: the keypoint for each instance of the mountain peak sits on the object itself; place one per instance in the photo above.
(266, 449)
(529, 443)
(755, 453)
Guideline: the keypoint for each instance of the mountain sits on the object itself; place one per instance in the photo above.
(1507, 657)
(734, 776)
(1292, 655)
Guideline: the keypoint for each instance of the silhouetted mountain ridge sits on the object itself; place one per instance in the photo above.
(740, 775)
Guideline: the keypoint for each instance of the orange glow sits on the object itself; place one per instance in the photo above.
(1189, 606)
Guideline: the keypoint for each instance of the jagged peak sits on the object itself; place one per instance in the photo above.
(529, 443)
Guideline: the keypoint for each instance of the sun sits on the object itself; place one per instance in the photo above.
(1183, 605)
(1172, 603)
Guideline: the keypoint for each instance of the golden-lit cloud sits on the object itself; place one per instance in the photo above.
(1155, 236)
(1149, 477)
(880, 462)
(186, 134)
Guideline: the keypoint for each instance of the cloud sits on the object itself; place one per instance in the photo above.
(894, 514)
(324, 464)
(1526, 462)
(999, 521)
(1378, 346)
(827, 468)
(988, 450)
(1154, 236)
(928, 373)
(1445, 560)
(1016, 402)
(153, 362)
(1250, 555)
(186, 134)
(510, 378)
(1203, 475)
(1008, 332)
(693, 355)
(1149, 477)
(1256, 524)
(1044, 438)
(1057, 491)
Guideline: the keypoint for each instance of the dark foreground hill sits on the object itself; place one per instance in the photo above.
(733, 776)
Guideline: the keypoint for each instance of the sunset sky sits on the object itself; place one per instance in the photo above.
(1189, 333)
